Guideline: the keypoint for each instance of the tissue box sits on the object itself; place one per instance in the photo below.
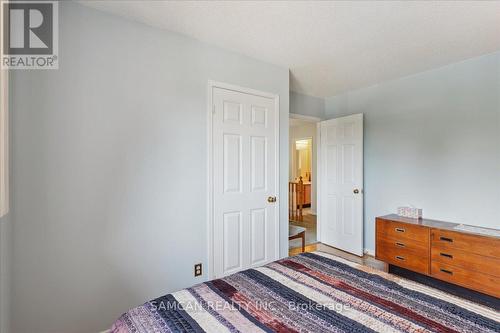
(412, 212)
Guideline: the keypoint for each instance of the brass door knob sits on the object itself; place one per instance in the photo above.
(271, 199)
(356, 191)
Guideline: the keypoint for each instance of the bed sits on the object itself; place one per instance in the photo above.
(311, 292)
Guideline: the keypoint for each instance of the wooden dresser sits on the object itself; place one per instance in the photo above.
(439, 250)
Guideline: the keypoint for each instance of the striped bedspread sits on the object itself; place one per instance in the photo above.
(311, 292)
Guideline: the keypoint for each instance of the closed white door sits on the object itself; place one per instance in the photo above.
(341, 188)
(245, 217)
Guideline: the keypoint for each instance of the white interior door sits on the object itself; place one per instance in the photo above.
(245, 223)
(341, 188)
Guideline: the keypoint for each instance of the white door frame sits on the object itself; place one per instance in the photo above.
(319, 189)
(309, 119)
(4, 142)
(210, 175)
(318, 182)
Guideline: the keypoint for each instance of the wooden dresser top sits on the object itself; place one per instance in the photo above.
(433, 224)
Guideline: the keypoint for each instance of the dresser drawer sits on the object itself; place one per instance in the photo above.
(399, 230)
(485, 246)
(470, 261)
(414, 259)
(485, 283)
(403, 243)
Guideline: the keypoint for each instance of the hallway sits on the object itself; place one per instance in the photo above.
(309, 223)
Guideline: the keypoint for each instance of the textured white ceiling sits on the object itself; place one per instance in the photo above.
(331, 47)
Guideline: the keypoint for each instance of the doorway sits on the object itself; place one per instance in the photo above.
(303, 231)
(326, 184)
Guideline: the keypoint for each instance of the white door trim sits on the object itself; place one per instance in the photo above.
(318, 182)
(310, 119)
(4, 142)
(210, 175)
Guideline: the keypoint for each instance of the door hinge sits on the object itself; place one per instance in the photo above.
(213, 109)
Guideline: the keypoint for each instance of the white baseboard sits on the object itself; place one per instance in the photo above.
(370, 252)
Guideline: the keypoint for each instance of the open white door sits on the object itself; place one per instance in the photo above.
(245, 179)
(341, 183)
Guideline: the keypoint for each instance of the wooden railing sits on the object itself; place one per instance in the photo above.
(296, 200)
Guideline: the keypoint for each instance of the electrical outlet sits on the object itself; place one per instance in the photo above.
(197, 270)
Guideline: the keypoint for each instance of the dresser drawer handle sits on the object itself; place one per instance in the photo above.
(446, 255)
(399, 229)
(446, 239)
(400, 244)
(446, 271)
(400, 258)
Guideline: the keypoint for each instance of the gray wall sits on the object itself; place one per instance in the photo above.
(109, 169)
(307, 105)
(432, 140)
(5, 272)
